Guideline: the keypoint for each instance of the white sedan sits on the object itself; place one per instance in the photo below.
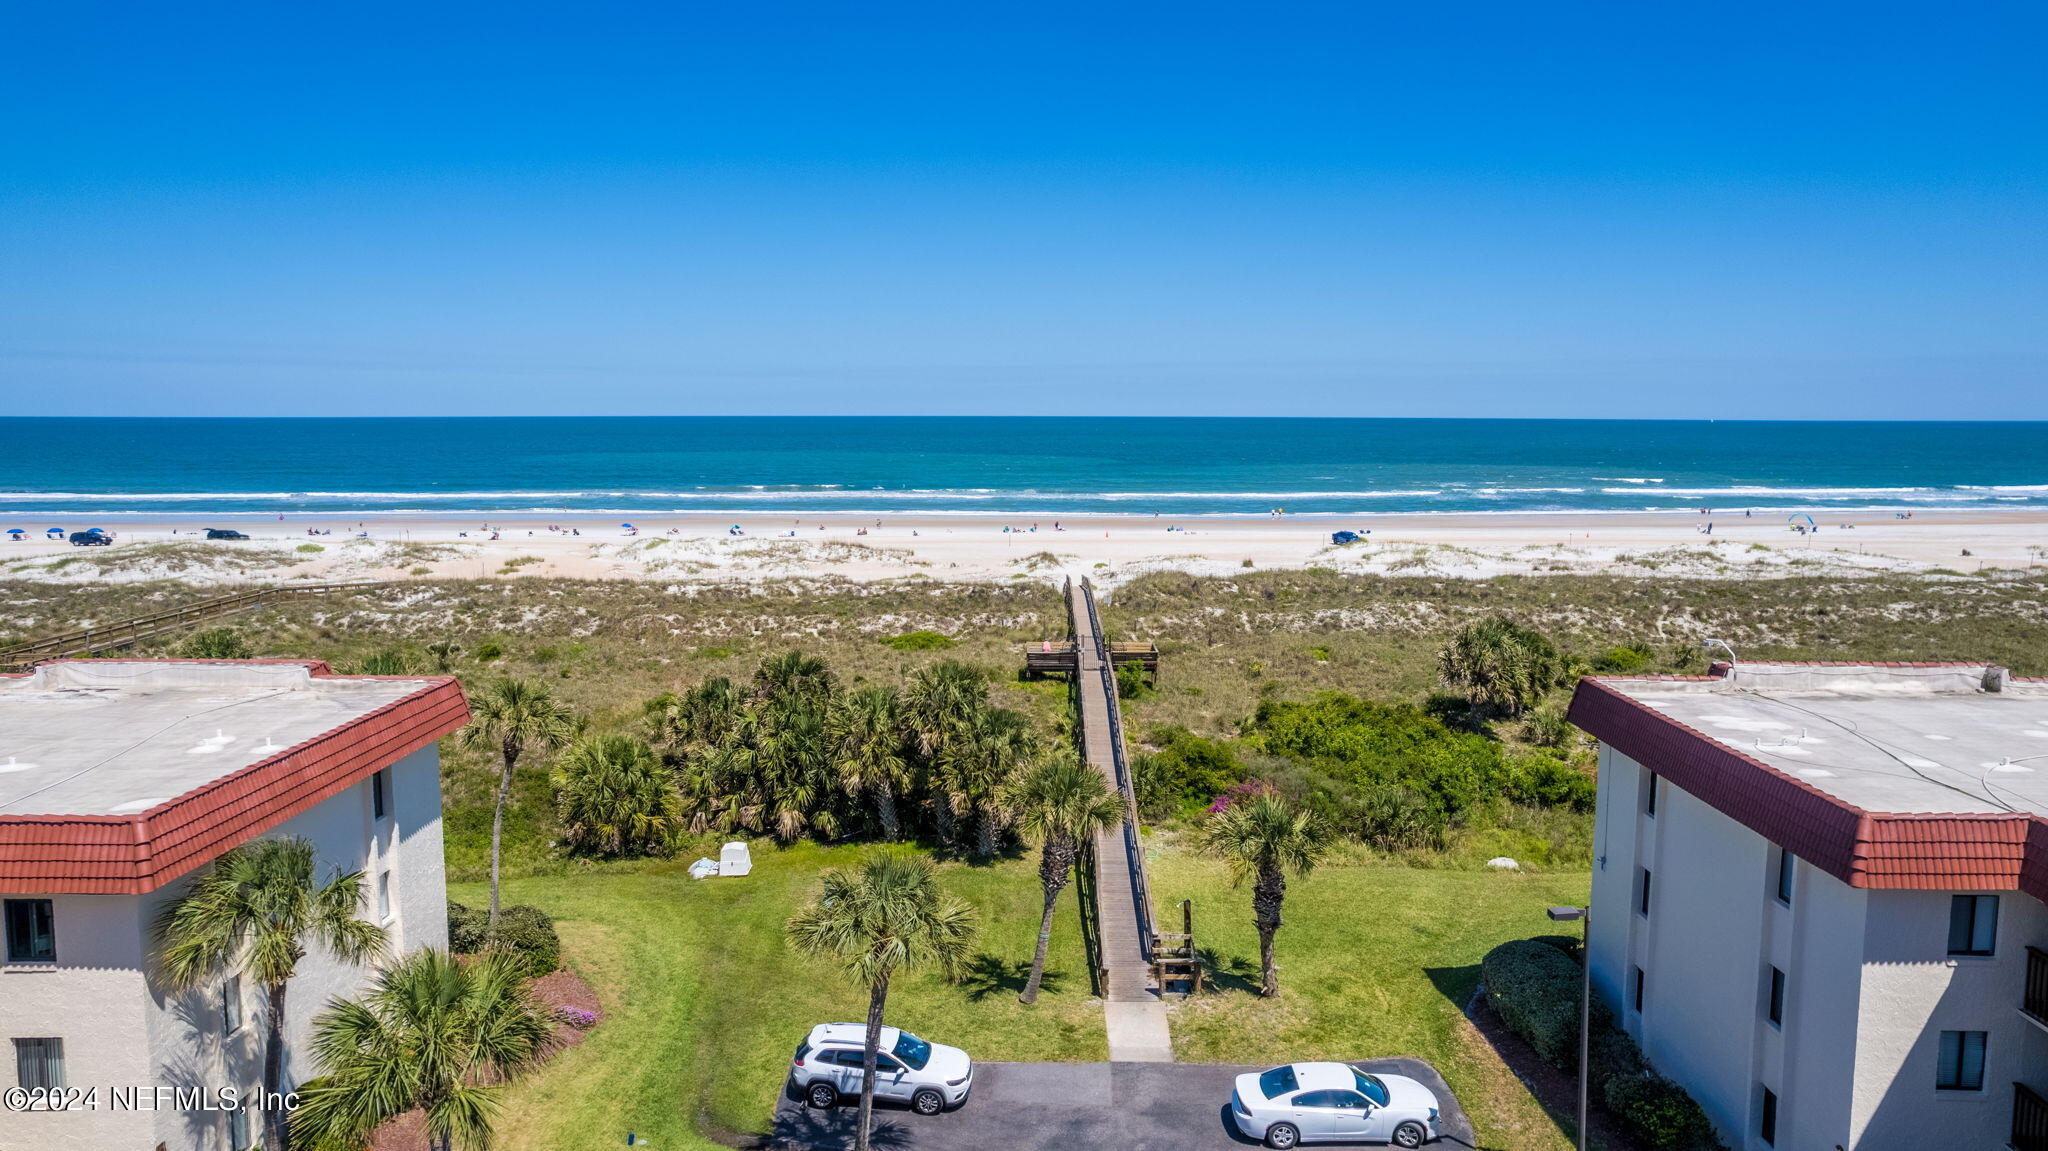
(1333, 1103)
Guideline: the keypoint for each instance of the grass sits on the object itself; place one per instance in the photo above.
(705, 1001)
(1376, 959)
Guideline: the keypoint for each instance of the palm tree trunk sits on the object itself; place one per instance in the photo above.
(498, 827)
(1267, 894)
(878, 994)
(273, 1071)
(885, 808)
(1030, 992)
(985, 834)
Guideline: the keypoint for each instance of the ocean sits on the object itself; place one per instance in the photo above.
(179, 468)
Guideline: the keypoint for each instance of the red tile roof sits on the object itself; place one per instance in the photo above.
(130, 855)
(1888, 850)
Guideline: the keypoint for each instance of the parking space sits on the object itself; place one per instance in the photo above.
(1067, 1106)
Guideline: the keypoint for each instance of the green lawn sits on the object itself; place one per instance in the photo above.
(1376, 959)
(706, 1002)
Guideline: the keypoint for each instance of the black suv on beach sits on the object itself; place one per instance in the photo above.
(224, 534)
(91, 539)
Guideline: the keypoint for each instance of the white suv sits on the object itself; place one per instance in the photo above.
(929, 1076)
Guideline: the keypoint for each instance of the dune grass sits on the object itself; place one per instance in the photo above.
(705, 1002)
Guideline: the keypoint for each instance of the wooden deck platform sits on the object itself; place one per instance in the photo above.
(1050, 656)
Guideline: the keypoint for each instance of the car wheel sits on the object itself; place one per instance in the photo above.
(823, 1096)
(1409, 1135)
(928, 1102)
(1282, 1135)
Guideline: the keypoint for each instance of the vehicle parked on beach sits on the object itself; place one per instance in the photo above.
(1333, 1103)
(224, 534)
(91, 539)
(929, 1076)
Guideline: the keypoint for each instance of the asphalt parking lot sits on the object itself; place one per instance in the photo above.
(1070, 1106)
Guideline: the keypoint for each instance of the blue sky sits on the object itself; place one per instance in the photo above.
(1561, 209)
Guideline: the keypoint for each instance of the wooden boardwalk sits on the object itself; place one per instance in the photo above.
(1135, 1015)
(122, 633)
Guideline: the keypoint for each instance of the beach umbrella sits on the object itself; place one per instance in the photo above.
(625, 525)
(1801, 516)
(16, 532)
(95, 531)
(54, 532)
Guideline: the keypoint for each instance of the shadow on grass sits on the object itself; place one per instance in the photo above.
(1456, 983)
(987, 975)
(1228, 972)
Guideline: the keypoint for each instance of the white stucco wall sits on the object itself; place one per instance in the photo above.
(1869, 983)
(118, 1030)
(1912, 992)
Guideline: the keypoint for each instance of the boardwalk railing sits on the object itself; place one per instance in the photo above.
(121, 633)
(1133, 847)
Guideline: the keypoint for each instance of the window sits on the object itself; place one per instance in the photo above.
(1786, 862)
(31, 931)
(1348, 1100)
(1972, 924)
(1650, 794)
(1768, 1129)
(231, 1005)
(39, 1063)
(1277, 1082)
(377, 805)
(238, 1129)
(1637, 994)
(1960, 1063)
(1372, 1087)
(384, 896)
(1643, 891)
(1777, 1007)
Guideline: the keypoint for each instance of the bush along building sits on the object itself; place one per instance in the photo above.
(121, 781)
(1818, 898)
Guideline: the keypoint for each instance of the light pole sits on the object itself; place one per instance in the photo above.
(1585, 917)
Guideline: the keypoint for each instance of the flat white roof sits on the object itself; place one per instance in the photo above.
(1907, 739)
(118, 737)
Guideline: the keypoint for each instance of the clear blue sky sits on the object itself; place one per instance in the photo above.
(1528, 208)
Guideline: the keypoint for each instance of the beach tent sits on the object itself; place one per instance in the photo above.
(1793, 519)
(733, 859)
(55, 533)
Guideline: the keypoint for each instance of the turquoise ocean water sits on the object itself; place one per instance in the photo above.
(213, 468)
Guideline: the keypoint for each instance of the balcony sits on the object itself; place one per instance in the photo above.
(2029, 1120)
(2034, 1002)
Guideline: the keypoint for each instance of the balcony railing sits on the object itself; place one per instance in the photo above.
(2029, 1120)
(2035, 1001)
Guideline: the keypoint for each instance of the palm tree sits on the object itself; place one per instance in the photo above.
(616, 797)
(253, 912)
(868, 740)
(1264, 839)
(510, 716)
(939, 700)
(888, 916)
(431, 1034)
(1501, 664)
(1062, 803)
(978, 764)
(794, 674)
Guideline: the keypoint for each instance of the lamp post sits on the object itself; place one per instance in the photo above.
(1585, 917)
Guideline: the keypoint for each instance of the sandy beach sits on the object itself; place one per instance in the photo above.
(982, 548)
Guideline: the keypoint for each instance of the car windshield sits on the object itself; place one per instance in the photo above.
(1372, 1087)
(1277, 1082)
(912, 1050)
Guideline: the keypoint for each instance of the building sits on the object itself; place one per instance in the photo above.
(118, 780)
(1818, 898)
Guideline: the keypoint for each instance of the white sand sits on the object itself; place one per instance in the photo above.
(978, 549)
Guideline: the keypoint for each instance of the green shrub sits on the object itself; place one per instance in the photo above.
(489, 650)
(1130, 681)
(521, 928)
(1543, 780)
(1624, 660)
(1396, 819)
(1373, 745)
(1658, 1112)
(1535, 989)
(1547, 727)
(310, 549)
(1187, 770)
(920, 641)
(215, 643)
